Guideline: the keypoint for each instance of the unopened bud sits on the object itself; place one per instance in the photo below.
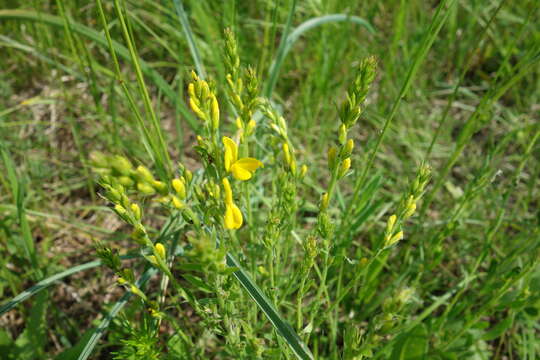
(238, 123)
(153, 259)
(286, 153)
(122, 165)
(394, 239)
(176, 202)
(189, 176)
(120, 210)
(180, 188)
(160, 187)
(160, 251)
(143, 174)
(303, 170)
(324, 202)
(332, 152)
(200, 140)
(411, 208)
(348, 148)
(342, 134)
(137, 292)
(251, 127)
(345, 166)
(390, 224)
(145, 188)
(293, 167)
(136, 211)
(191, 90)
(126, 181)
(214, 113)
(99, 160)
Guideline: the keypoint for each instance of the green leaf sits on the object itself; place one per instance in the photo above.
(198, 283)
(498, 329)
(412, 345)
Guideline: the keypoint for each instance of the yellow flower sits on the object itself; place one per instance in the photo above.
(242, 169)
(233, 215)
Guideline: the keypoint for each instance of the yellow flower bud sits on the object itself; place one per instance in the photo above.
(238, 123)
(286, 153)
(145, 188)
(345, 166)
(332, 152)
(349, 146)
(193, 104)
(342, 134)
(137, 292)
(189, 175)
(99, 160)
(152, 259)
(411, 208)
(120, 210)
(121, 165)
(176, 202)
(160, 187)
(180, 188)
(390, 224)
(191, 90)
(160, 251)
(214, 112)
(324, 202)
(143, 174)
(136, 211)
(303, 170)
(251, 126)
(125, 181)
(293, 167)
(394, 239)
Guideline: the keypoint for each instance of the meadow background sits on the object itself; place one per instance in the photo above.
(457, 86)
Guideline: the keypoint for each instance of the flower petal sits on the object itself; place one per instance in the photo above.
(229, 217)
(233, 217)
(250, 164)
(238, 219)
(228, 191)
(240, 173)
(230, 146)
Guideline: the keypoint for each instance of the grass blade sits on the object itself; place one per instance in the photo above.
(45, 283)
(18, 192)
(182, 16)
(99, 39)
(299, 31)
(283, 328)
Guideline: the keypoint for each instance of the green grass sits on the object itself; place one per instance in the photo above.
(306, 276)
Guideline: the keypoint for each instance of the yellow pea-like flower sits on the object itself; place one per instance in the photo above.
(242, 169)
(233, 215)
